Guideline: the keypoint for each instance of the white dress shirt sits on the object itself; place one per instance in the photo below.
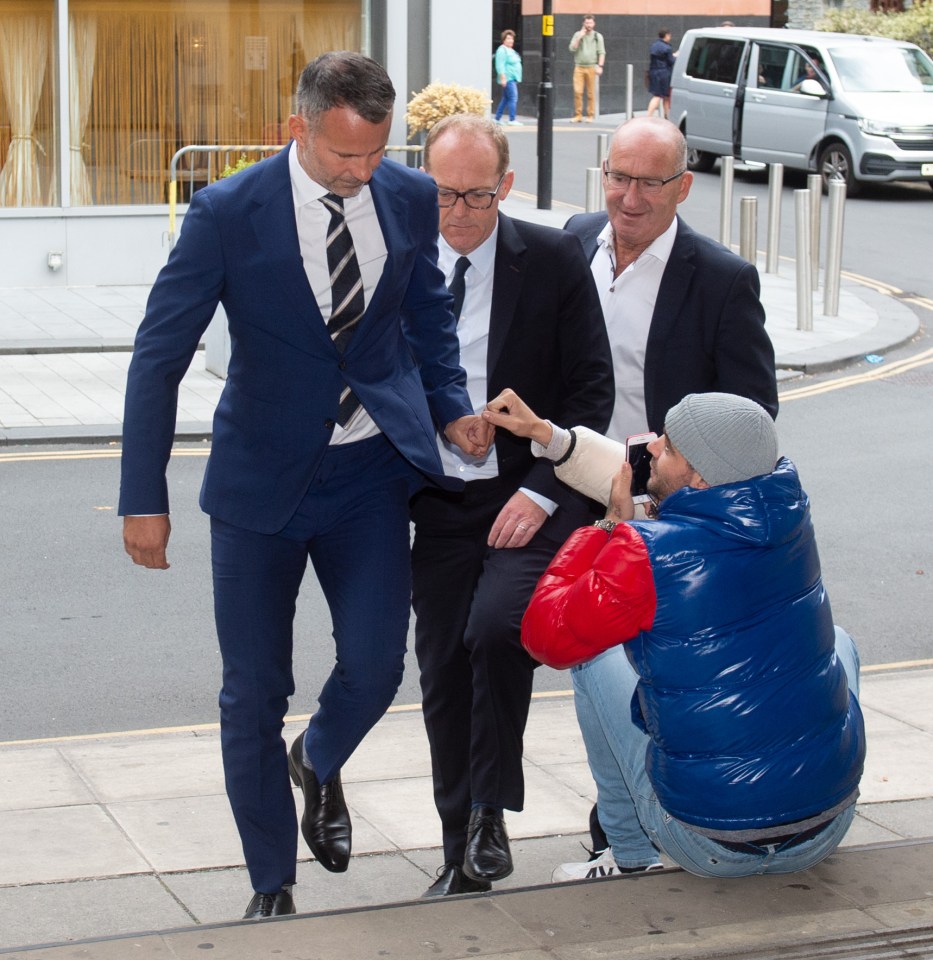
(628, 303)
(473, 334)
(313, 220)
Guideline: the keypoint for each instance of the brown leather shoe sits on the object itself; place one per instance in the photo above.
(325, 824)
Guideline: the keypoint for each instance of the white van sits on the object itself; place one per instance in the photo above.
(853, 108)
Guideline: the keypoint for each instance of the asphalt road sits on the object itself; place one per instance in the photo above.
(90, 644)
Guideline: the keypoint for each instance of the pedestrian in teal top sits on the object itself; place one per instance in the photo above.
(509, 75)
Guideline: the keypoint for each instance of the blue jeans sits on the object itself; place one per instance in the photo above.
(509, 99)
(635, 823)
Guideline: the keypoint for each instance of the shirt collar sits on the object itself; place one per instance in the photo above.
(306, 191)
(481, 259)
(659, 248)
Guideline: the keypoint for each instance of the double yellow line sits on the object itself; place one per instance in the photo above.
(876, 373)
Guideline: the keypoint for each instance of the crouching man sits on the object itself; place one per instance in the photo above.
(717, 701)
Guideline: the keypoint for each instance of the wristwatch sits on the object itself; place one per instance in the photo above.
(606, 524)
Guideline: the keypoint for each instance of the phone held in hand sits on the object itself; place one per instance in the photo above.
(636, 452)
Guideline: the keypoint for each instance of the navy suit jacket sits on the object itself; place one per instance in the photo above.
(547, 340)
(239, 246)
(708, 327)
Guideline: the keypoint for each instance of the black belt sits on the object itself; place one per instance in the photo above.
(786, 840)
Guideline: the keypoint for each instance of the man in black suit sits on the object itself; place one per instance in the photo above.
(529, 318)
(682, 312)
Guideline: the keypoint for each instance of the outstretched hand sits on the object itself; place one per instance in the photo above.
(510, 412)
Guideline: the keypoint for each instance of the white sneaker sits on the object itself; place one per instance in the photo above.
(516, 123)
(603, 866)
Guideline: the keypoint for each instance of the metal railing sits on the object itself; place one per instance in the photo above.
(231, 153)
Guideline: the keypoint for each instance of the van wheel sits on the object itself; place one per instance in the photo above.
(700, 160)
(835, 163)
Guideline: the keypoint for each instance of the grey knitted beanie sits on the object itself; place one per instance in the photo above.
(725, 438)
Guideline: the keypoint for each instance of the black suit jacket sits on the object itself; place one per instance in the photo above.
(708, 327)
(547, 340)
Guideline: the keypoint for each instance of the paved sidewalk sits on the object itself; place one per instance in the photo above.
(112, 835)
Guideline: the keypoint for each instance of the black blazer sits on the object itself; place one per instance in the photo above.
(547, 340)
(708, 327)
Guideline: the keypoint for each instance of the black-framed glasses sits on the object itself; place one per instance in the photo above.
(474, 199)
(647, 185)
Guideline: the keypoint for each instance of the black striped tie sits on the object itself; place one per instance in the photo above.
(346, 284)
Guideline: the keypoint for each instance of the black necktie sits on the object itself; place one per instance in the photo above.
(458, 285)
(346, 284)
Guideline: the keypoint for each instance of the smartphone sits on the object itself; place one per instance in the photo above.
(636, 452)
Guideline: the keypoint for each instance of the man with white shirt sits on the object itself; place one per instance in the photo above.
(682, 312)
(529, 318)
(344, 362)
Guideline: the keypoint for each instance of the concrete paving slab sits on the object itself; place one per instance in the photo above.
(64, 843)
(396, 747)
(171, 765)
(550, 807)
(56, 912)
(903, 818)
(35, 777)
(912, 704)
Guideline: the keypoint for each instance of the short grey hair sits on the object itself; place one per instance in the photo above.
(345, 79)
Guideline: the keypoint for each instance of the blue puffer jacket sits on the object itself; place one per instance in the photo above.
(748, 709)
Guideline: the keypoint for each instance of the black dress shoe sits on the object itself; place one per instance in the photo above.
(326, 821)
(264, 905)
(487, 851)
(452, 880)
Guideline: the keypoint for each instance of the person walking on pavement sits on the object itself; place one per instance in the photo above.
(717, 701)
(529, 316)
(660, 67)
(589, 55)
(509, 76)
(344, 357)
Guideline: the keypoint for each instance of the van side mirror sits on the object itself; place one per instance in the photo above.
(812, 88)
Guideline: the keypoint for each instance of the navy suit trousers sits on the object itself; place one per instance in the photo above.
(353, 524)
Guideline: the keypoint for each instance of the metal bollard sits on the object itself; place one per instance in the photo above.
(748, 229)
(804, 286)
(775, 189)
(835, 222)
(629, 91)
(594, 187)
(602, 148)
(815, 186)
(727, 168)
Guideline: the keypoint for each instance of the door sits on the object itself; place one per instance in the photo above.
(780, 124)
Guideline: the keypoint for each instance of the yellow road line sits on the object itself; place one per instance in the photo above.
(304, 718)
(876, 373)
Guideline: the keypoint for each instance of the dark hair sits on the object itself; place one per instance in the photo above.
(345, 79)
(663, 32)
(471, 125)
(507, 33)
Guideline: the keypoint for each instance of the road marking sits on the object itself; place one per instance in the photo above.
(38, 455)
(400, 708)
(876, 373)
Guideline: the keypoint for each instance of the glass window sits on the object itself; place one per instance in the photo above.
(884, 69)
(714, 58)
(150, 76)
(28, 141)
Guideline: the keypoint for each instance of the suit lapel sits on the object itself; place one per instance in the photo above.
(273, 220)
(675, 282)
(507, 281)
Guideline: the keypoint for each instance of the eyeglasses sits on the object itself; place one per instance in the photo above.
(650, 186)
(474, 199)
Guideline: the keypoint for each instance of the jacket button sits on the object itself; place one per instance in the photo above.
(342, 364)
(329, 424)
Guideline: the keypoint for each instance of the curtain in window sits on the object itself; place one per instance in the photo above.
(82, 49)
(24, 52)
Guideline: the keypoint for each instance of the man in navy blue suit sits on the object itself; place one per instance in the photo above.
(325, 429)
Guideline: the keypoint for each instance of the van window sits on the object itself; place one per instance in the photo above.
(715, 58)
(887, 70)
